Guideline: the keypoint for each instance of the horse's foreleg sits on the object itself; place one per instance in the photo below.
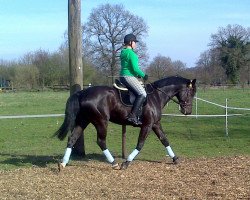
(142, 137)
(102, 144)
(101, 141)
(77, 131)
(162, 137)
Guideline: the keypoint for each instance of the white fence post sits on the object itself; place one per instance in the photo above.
(196, 106)
(226, 120)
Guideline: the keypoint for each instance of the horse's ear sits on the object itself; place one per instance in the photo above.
(191, 83)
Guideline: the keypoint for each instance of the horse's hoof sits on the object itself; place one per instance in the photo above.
(115, 166)
(175, 160)
(61, 166)
(124, 165)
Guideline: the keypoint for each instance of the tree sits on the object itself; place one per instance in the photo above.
(231, 43)
(209, 70)
(162, 66)
(59, 62)
(178, 67)
(52, 67)
(104, 32)
(26, 77)
(158, 67)
(245, 70)
(41, 61)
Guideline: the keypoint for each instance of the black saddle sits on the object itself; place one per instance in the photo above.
(127, 97)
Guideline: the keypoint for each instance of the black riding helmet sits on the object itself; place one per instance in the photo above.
(129, 38)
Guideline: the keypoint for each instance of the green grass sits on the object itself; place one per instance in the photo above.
(21, 103)
(27, 142)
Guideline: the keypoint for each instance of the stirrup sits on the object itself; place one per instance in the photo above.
(134, 121)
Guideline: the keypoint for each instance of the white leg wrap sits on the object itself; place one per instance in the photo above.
(132, 155)
(108, 156)
(67, 154)
(170, 152)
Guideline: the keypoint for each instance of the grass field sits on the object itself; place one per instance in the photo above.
(27, 142)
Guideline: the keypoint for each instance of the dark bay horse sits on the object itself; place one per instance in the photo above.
(100, 104)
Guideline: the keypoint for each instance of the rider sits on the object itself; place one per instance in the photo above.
(129, 73)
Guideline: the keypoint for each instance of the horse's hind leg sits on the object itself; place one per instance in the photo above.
(77, 131)
(101, 129)
(162, 137)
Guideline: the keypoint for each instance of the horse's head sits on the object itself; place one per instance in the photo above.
(185, 97)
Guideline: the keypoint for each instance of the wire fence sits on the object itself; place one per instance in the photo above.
(226, 115)
(30, 116)
(196, 115)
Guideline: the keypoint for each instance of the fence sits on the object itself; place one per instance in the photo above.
(226, 115)
(30, 116)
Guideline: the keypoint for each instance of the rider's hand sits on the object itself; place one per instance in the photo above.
(145, 77)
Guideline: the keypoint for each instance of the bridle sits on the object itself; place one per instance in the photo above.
(183, 104)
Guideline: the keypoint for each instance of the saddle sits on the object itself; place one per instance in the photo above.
(126, 97)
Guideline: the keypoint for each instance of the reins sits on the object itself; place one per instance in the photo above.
(171, 98)
(182, 104)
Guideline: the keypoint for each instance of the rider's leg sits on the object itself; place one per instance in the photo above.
(135, 86)
(133, 115)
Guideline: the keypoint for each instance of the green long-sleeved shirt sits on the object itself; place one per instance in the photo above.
(129, 64)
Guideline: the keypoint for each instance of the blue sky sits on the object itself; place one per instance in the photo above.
(179, 29)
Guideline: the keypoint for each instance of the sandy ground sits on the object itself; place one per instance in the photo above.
(220, 178)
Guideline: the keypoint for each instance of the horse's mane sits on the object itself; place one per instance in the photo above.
(176, 80)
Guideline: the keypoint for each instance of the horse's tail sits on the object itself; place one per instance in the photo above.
(71, 111)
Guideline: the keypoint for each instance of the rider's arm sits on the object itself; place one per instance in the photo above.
(135, 65)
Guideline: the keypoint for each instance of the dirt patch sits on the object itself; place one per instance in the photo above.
(220, 178)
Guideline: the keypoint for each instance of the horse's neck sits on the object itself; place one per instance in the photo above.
(166, 93)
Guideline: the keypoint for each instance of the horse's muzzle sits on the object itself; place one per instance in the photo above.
(186, 110)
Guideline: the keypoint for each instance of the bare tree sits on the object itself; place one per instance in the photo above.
(162, 66)
(208, 68)
(159, 66)
(104, 32)
(26, 77)
(178, 67)
(41, 61)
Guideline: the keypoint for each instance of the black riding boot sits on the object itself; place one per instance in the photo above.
(133, 115)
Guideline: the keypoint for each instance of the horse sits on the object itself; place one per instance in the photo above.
(100, 104)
